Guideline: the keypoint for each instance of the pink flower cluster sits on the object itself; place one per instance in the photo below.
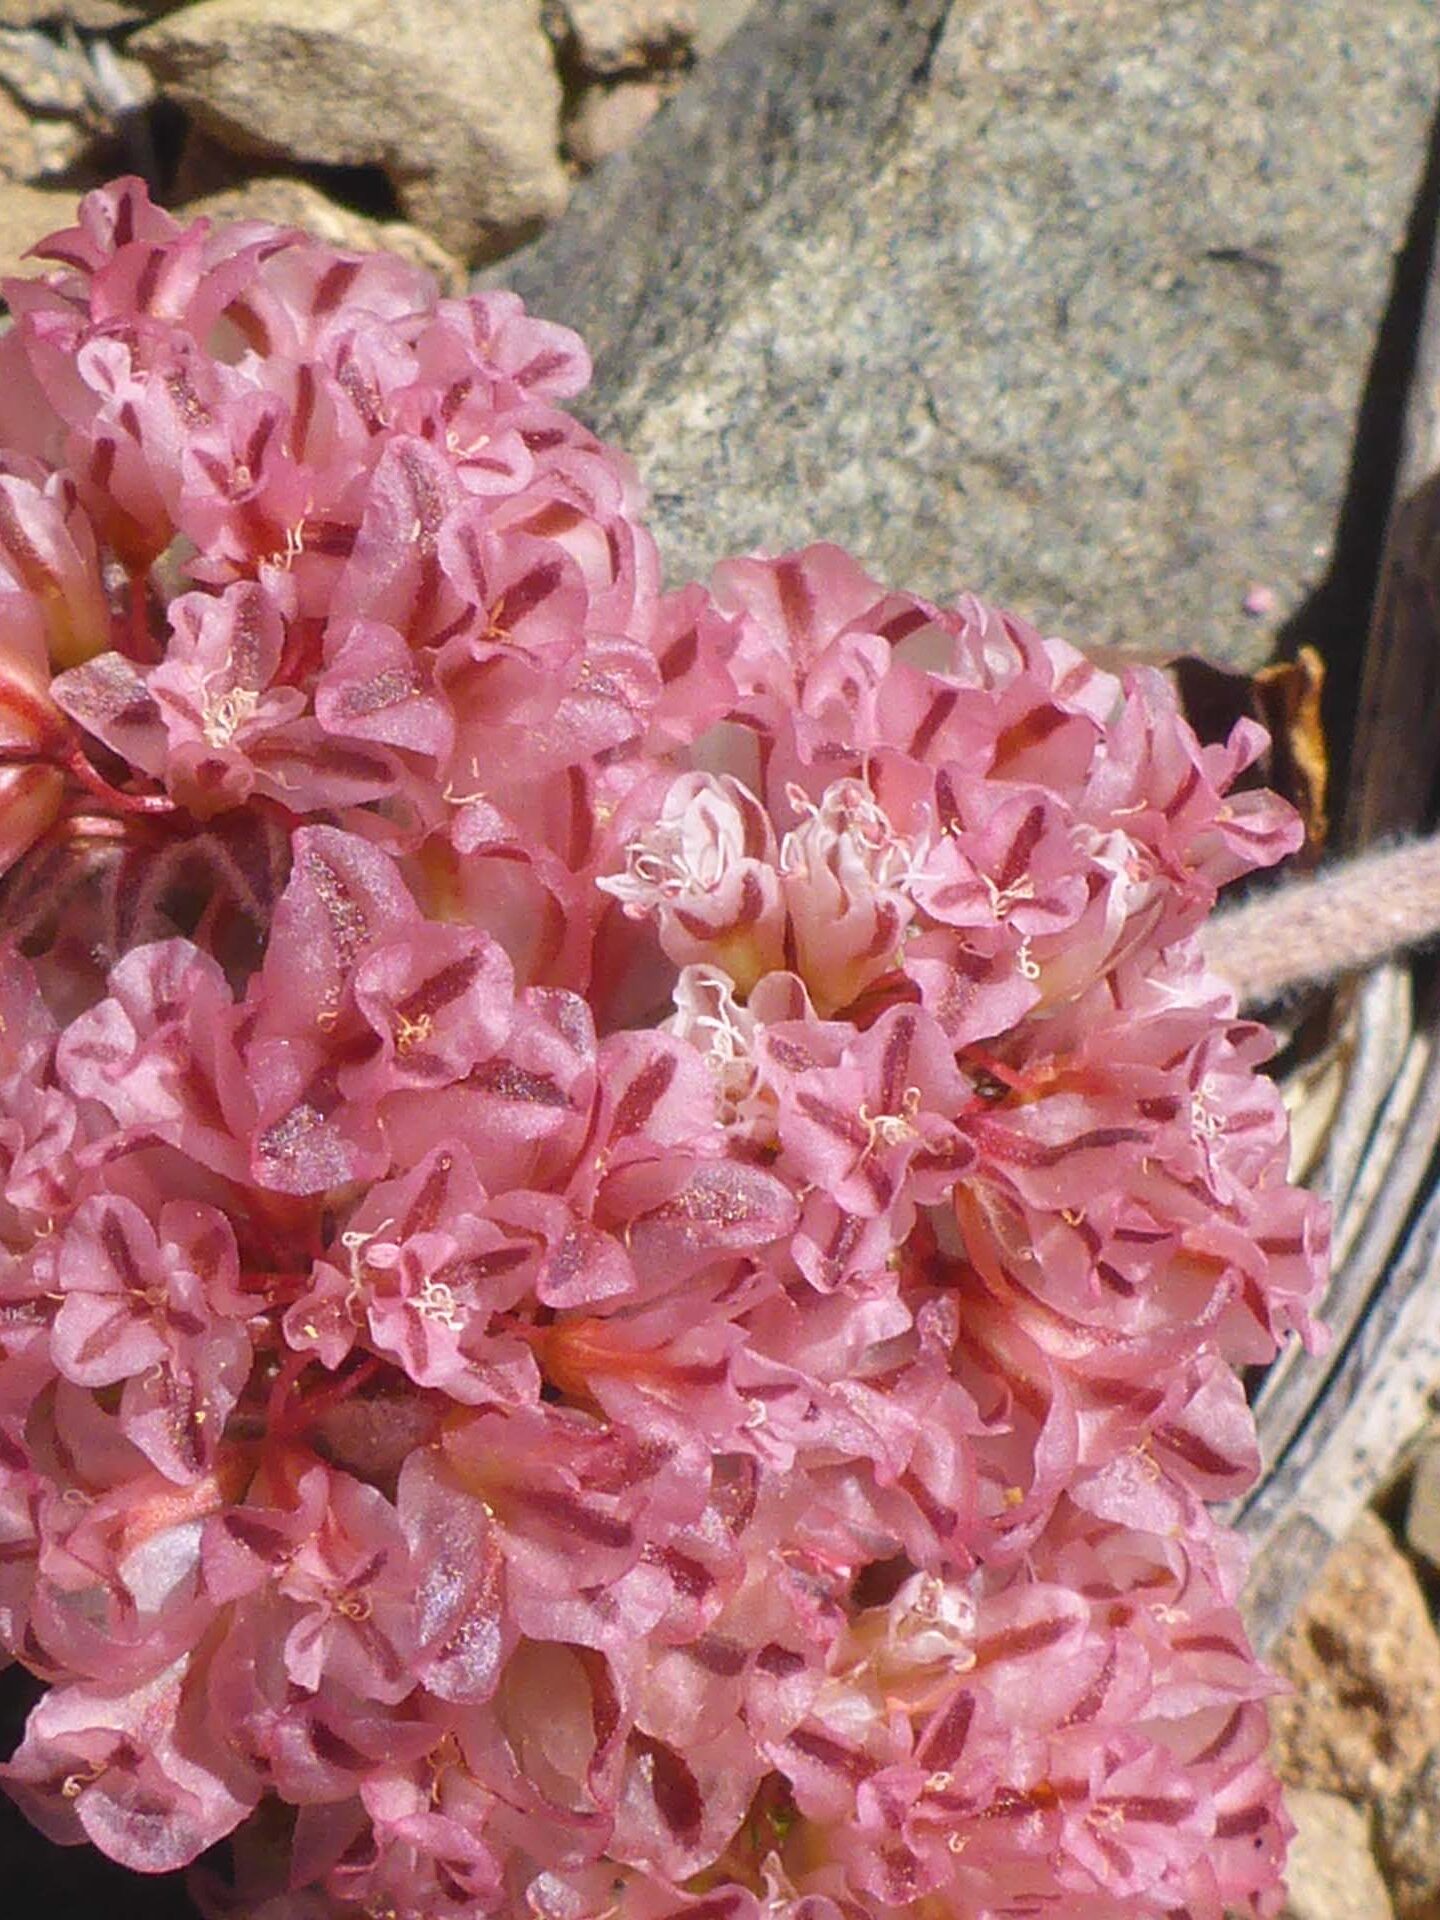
(626, 1219)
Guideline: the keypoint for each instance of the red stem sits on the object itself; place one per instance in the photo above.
(340, 1389)
(275, 1415)
(75, 763)
(283, 1420)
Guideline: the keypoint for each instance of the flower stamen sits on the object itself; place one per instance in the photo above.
(74, 1784)
(892, 1129)
(412, 1033)
(355, 1242)
(1002, 899)
(436, 1302)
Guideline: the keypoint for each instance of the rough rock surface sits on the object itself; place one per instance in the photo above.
(458, 104)
(92, 15)
(1422, 1517)
(27, 214)
(295, 203)
(38, 148)
(41, 73)
(1073, 303)
(717, 20)
(67, 108)
(22, 153)
(606, 119)
(1331, 1872)
(1365, 1662)
(609, 36)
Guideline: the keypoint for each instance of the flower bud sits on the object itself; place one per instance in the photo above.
(705, 871)
(47, 550)
(844, 870)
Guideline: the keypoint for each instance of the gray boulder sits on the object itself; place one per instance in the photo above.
(1072, 303)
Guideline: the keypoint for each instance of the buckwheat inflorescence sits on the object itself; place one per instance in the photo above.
(626, 1218)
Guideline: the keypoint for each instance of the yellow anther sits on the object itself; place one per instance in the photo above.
(412, 1033)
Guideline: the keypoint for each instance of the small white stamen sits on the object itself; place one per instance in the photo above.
(225, 717)
(892, 1129)
(355, 1242)
(436, 1301)
(1002, 899)
(849, 815)
(285, 557)
(1204, 1120)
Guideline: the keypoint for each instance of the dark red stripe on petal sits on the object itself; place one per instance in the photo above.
(1022, 847)
(1231, 1826)
(895, 1062)
(643, 1095)
(829, 1753)
(946, 1738)
(941, 707)
(1196, 1452)
(529, 592)
(333, 286)
(507, 1081)
(844, 1125)
(673, 1786)
(1015, 1643)
(567, 1511)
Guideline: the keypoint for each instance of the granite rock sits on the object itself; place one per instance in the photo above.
(21, 153)
(1331, 1873)
(716, 21)
(458, 105)
(42, 73)
(67, 108)
(605, 119)
(1409, 1832)
(1073, 303)
(1364, 1660)
(91, 15)
(39, 148)
(1422, 1517)
(611, 36)
(28, 214)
